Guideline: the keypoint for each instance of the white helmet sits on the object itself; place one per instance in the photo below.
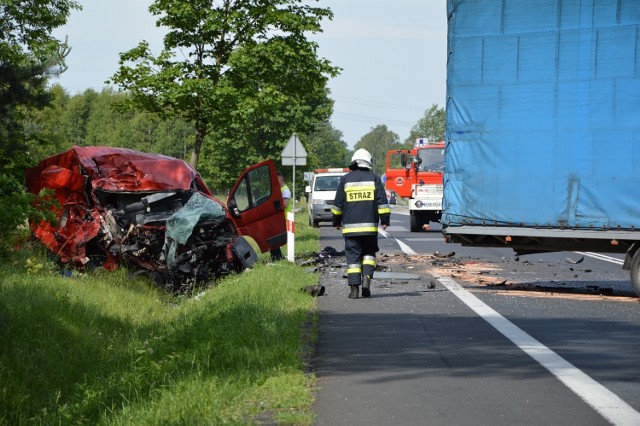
(362, 158)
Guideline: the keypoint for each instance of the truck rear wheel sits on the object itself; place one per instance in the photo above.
(417, 221)
(413, 223)
(635, 272)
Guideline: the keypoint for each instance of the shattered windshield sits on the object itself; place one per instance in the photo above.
(181, 224)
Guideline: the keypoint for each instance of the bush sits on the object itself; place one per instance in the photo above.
(16, 208)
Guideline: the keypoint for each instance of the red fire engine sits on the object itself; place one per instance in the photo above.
(416, 175)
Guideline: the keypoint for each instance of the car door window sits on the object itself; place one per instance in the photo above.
(256, 206)
(254, 190)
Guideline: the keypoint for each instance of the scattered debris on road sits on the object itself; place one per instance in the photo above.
(496, 276)
(569, 260)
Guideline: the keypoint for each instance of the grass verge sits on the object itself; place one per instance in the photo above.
(107, 348)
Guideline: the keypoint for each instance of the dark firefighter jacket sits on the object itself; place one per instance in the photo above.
(360, 203)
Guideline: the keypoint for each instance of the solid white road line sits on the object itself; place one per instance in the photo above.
(405, 248)
(605, 402)
(602, 257)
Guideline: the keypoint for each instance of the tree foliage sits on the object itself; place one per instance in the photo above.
(242, 72)
(378, 141)
(326, 148)
(272, 89)
(29, 55)
(91, 118)
(430, 126)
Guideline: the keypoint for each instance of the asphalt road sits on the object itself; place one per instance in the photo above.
(594, 273)
(435, 351)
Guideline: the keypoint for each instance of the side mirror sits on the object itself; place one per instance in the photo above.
(233, 208)
(416, 162)
(307, 189)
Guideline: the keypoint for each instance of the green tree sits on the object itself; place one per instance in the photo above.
(378, 141)
(272, 89)
(45, 128)
(29, 55)
(151, 133)
(90, 118)
(206, 40)
(430, 126)
(76, 116)
(326, 147)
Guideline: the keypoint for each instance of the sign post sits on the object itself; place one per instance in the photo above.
(294, 155)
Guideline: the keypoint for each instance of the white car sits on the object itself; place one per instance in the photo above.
(322, 193)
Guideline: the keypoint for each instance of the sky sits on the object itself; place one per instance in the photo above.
(392, 56)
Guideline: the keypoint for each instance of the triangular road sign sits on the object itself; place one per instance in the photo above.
(294, 153)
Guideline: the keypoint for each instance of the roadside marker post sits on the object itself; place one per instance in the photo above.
(294, 155)
(291, 231)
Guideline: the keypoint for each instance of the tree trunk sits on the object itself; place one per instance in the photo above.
(197, 146)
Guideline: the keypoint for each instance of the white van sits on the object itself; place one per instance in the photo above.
(322, 192)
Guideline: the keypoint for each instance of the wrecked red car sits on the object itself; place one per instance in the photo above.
(155, 214)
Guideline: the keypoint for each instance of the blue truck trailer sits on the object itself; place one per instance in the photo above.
(543, 126)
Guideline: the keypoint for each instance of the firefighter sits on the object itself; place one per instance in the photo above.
(360, 203)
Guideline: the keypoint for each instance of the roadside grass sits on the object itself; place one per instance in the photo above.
(109, 348)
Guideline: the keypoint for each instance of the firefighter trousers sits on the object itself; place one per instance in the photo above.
(360, 252)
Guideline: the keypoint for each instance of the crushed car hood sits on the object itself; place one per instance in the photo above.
(112, 169)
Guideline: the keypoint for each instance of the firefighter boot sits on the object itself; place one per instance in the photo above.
(354, 292)
(366, 283)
